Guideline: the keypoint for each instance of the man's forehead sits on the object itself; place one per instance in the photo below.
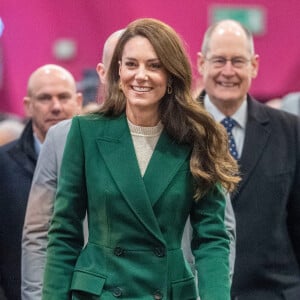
(228, 28)
(48, 81)
(231, 38)
(52, 86)
(48, 74)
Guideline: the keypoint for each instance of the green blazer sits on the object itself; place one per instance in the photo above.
(135, 223)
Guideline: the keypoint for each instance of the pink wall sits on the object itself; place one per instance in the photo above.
(31, 28)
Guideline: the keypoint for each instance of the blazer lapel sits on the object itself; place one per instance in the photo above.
(165, 162)
(258, 121)
(117, 150)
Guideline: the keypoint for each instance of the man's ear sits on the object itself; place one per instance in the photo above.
(79, 99)
(27, 106)
(254, 65)
(200, 62)
(101, 72)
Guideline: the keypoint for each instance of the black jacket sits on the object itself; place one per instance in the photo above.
(267, 207)
(17, 163)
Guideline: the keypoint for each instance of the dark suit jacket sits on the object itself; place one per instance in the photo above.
(2, 294)
(135, 224)
(17, 161)
(267, 207)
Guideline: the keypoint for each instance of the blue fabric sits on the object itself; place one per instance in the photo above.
(229, 123)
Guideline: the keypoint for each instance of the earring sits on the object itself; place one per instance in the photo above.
(169, 89)
(120, 86)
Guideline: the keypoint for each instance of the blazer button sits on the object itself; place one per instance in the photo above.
(117, 292)
(157, 295)
(159, 251)
(119, 251)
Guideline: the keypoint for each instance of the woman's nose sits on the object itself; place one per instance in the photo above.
(141, 74)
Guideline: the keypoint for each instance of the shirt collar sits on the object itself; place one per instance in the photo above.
(240, 116)
(37, 144)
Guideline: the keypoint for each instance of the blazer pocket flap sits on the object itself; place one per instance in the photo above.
(87, 282)
(184, 289)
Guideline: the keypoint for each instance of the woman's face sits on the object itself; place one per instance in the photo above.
(142, 76)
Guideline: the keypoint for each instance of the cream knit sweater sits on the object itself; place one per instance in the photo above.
(144, 141)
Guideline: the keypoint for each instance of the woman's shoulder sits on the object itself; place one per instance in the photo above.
(91, 117)
(97, 117)
(93, 121)
(88, 122)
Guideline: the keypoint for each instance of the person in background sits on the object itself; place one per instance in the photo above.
(102, 67)
(274, 103)
(266, 144)
(151, 157)
(10, 130)
(291, 103)
(51, 97)
(10, 116)
(42, 194)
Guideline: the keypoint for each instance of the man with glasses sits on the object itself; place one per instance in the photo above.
(266, 143)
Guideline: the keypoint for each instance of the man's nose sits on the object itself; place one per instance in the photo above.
(228, 68)
(56, 104)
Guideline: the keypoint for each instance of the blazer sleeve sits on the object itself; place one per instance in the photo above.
(210, 246)
(37, 221)
(65, 234)
(230, 226)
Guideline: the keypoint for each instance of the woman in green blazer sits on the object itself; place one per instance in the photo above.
(150, 158)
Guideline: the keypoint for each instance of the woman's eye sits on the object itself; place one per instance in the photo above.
(130, 64)
(155, 66)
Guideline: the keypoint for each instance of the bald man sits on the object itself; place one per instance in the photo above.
(266, 143)
(42, 194)
(107, 53)
(51, 97)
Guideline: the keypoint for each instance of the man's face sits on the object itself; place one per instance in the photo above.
(53, 98)
(228, 67)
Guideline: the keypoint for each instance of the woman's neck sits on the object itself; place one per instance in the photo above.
(143, 118)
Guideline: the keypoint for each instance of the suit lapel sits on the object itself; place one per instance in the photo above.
(165, 162)
(23, 152)
(117, 150)
(258, 121)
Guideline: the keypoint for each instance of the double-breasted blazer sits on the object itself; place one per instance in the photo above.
(267, 207)
(135, 223)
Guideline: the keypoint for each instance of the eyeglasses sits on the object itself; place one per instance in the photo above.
(220, 61)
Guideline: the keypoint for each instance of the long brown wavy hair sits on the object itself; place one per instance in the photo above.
(184, 119)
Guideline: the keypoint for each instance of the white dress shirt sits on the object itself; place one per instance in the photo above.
(240, 116)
